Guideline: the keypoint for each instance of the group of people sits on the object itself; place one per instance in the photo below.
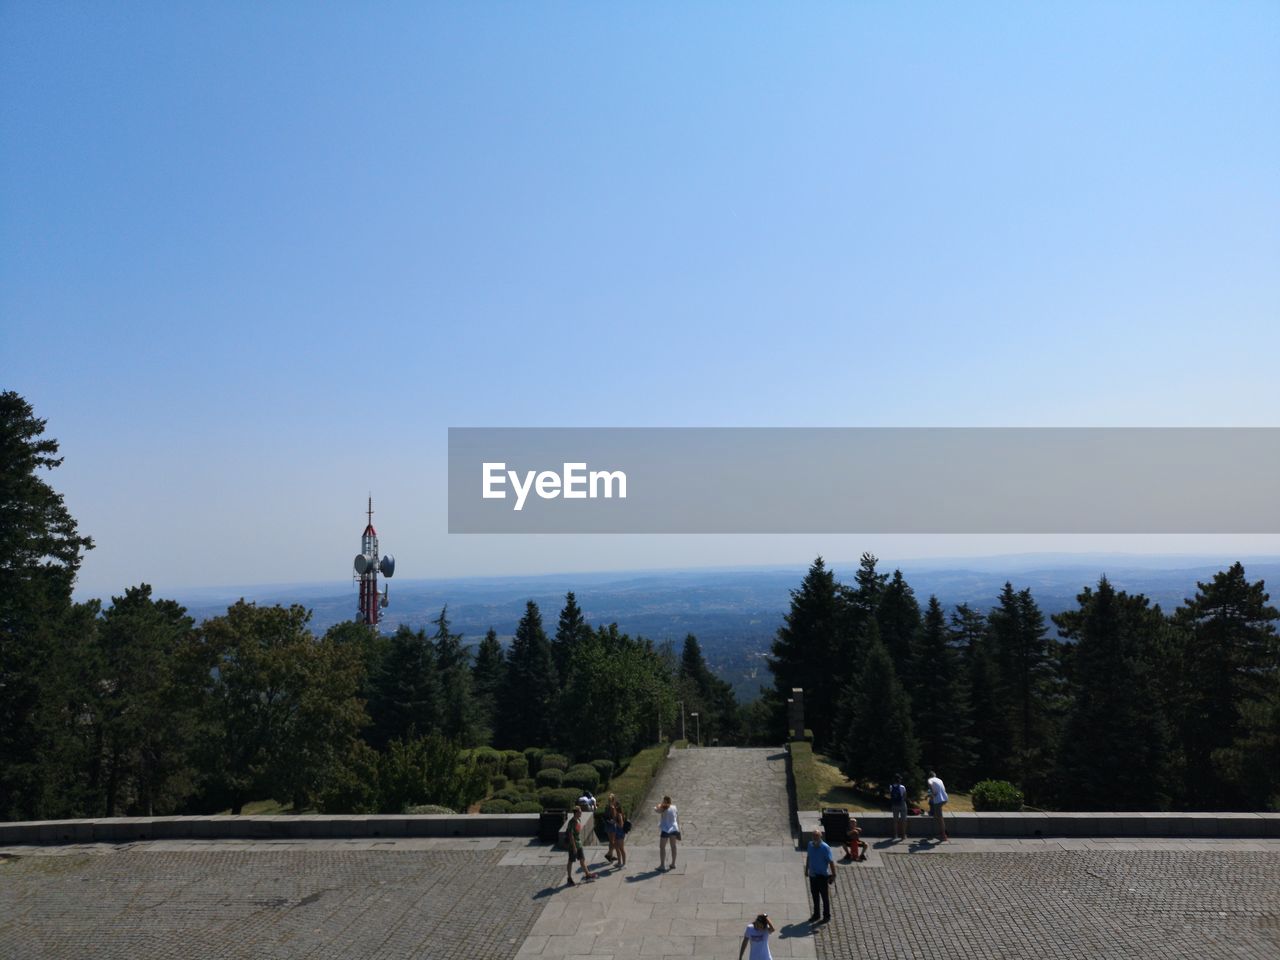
(819, 862)
(617, 826)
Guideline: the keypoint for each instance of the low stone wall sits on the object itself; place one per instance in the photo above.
(1232, 825)
(125, 829)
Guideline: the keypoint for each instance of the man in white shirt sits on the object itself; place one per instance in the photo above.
(937, 799)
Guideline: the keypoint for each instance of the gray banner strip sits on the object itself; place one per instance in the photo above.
(864, 480)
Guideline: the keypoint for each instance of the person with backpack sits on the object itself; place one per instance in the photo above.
(619, 828)
(898, 806)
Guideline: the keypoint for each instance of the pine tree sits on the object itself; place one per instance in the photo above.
(1114, 754)
(406, 697)
(459, 720)
(1027, 677)
(1230, 659)
(40, 553)
(570, 630)
(706, 693)
(877, 738)
(808, 651)
(986, 728)
(898, 617)
(527, 714)
(940, 707)
(487, 678)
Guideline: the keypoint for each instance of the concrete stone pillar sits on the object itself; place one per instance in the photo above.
(795, 714)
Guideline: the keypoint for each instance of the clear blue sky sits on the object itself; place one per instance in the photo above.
(256, 259)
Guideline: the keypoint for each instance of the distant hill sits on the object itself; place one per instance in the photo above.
(733, 612)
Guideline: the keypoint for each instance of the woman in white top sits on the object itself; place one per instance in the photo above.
(669, 829)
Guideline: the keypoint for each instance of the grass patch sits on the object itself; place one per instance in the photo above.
(819, 784)
(266, 808)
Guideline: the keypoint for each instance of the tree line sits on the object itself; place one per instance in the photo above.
(133, 708)
(1126, 708)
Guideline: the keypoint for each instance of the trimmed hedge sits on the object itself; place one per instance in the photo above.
(429, 808)
(605, 769)
(996, 795)
(527, 806)
(553, 761)
(498, 782)
(496, 806)
(517, 768)
(533, 756)
(487, 757)
(632, 784)
(583, 776)
(527, 784)
(550, 777)
(804, 775)
(557, 799)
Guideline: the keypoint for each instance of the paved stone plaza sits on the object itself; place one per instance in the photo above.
(506, 898)
(725, 796)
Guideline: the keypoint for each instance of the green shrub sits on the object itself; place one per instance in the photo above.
(510, 794)
(680, 744)
(487, 757)
(553, 761)
(583, 776)
(605, 769)
(557, 799)
(498, 782)
(527, 784)
(533, 757)
(804, 775)
(527, 806)
(496, 806)
(996, 795)
(509, 755)
(551, 777)
(517, 768)
(633, 783)
(428, 808)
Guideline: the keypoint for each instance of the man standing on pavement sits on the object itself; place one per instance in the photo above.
(937, 799)
(820, 868)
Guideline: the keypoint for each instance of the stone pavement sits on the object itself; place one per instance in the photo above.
(257, 900)
(506, 898)
(725, 796)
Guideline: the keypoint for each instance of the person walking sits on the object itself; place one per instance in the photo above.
(668, 831)
(898, 805)
(619, 833)
(820, 868)
(611, 853)
(937, 800)
(573, 844)
(757, 934)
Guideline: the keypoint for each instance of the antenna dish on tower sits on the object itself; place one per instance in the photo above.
(388, 565)
(362, 563)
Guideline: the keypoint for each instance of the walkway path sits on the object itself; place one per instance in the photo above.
(726, 797)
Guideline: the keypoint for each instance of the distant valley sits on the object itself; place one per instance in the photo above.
(733, 612)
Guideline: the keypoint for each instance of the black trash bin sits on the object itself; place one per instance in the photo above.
(549, 824)
(835, 825)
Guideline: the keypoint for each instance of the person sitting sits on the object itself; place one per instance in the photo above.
(855, 848)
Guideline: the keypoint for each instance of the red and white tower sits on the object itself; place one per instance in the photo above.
(368, 565)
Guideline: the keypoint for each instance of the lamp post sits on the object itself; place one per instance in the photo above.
(697, 726)
(682, 736)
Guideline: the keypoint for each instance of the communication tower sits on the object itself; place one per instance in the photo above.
(368, 566)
